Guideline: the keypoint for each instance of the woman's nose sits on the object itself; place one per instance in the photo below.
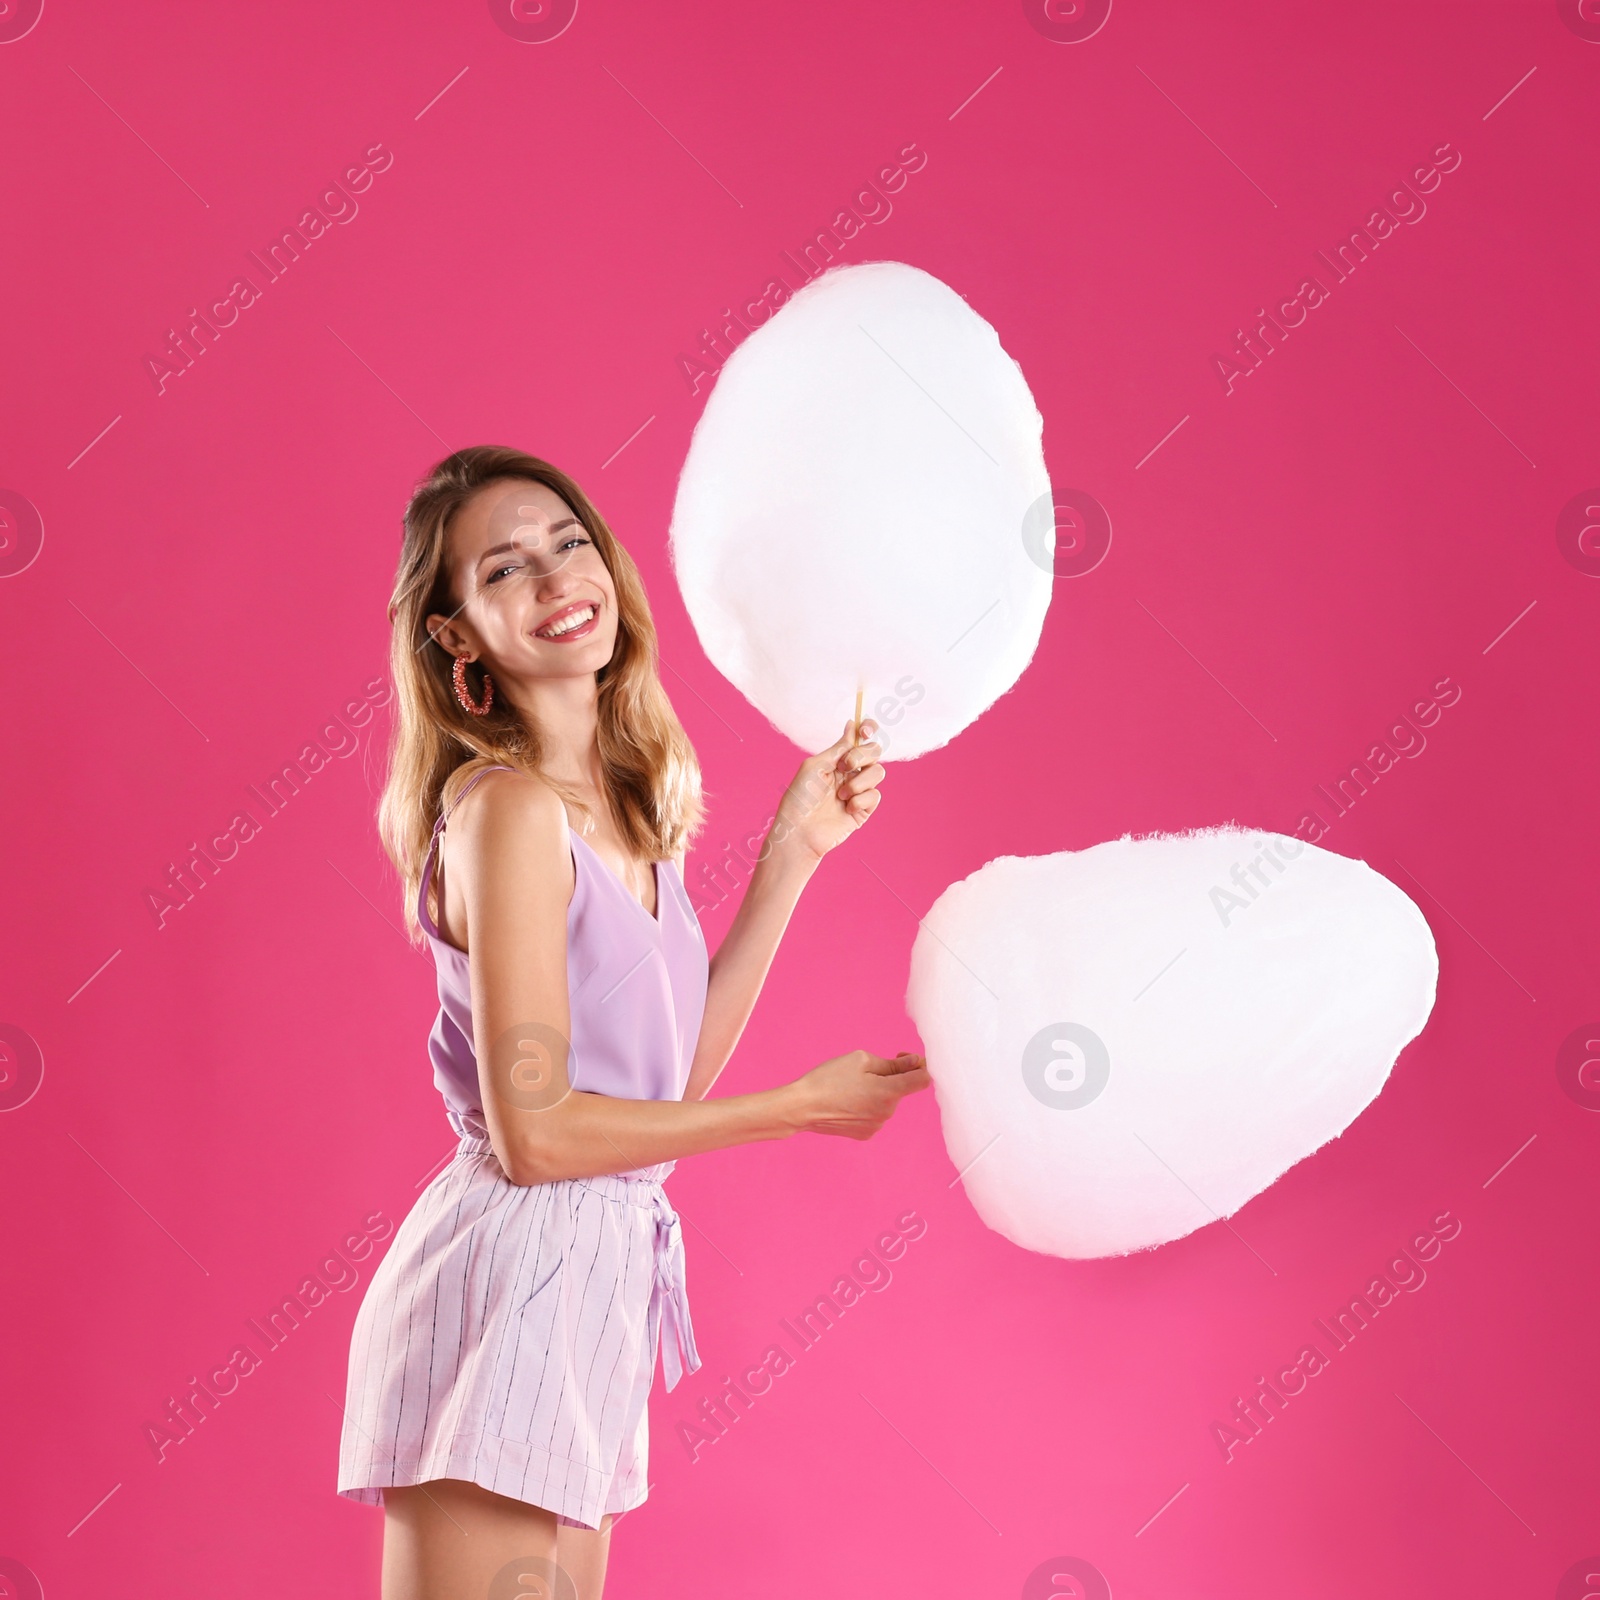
(556, 580)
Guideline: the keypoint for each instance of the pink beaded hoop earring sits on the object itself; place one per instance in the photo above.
(464, 694)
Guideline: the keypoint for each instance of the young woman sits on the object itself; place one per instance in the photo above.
(501, 1358)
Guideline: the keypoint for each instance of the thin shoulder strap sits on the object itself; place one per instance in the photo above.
(467, 789)
(433, 845)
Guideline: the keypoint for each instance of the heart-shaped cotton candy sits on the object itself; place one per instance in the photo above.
(1130, 1041)
(865, 504)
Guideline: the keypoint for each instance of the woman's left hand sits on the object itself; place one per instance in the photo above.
(833, 793)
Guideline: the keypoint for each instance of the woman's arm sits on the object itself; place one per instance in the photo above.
(832, 794)
(513, 867)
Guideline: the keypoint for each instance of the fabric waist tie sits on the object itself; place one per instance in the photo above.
(669, 1294)
(669, 1297)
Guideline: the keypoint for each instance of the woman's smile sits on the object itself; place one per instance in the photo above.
(576, 621)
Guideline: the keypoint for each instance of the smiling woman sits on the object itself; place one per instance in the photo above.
(537, 547)
(502, 1357)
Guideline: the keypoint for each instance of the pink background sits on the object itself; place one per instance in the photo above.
(240, 1089)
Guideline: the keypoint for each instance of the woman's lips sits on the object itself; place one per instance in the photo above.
(582, 631)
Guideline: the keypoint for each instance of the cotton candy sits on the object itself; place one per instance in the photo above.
(855, 510)
(1130, 1041)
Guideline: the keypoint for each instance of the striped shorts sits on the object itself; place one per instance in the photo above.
(509, 1338)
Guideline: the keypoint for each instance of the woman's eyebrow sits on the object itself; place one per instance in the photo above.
(505, 549)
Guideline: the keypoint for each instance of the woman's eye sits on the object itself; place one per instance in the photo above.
(499, 572)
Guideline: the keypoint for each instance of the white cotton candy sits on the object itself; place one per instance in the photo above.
(855, 510)
(1130, 1041)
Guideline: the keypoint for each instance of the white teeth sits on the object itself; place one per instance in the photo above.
(567, 624)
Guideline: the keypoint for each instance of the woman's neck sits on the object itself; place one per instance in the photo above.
(565, 714)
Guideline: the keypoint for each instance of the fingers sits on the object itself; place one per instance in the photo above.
(851, 769)
(862, 807)
(906, 1074)
(848, 738)
(857, 779)
(854, 757)
(866, 1089)
(862, 773)
(906, 1061)
(848, 743)
(859, 808)
(855, 769)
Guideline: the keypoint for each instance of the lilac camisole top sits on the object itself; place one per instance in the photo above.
(636, 988)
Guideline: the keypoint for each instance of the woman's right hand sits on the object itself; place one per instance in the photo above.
(856, 1094)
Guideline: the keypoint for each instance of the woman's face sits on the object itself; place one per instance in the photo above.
(535, 598)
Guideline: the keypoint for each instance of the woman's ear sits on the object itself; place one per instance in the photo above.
(447, 634)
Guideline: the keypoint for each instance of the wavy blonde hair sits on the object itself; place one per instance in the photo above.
(651, 773)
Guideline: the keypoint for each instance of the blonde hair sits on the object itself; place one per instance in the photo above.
(650, 772)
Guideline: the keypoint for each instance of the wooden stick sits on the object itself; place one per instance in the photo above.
(859, 693)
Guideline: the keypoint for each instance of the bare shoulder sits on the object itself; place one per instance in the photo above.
(511, 811)
(508, 851)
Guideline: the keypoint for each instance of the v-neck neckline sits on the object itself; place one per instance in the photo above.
(655, 869)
